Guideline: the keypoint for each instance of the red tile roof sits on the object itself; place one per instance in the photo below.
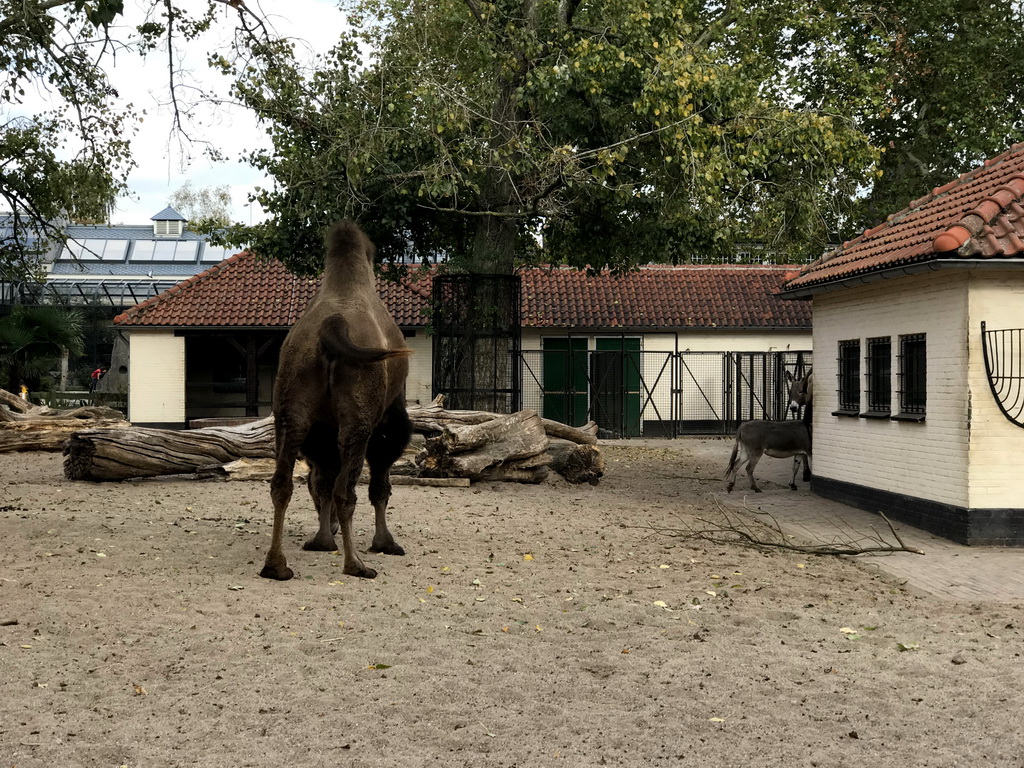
(244, 291)
(687, 296)
(977, 216)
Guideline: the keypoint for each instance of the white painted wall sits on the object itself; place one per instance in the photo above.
(996, 479)
(926, 460)
(418, 386)
(694, 341)
(156, 377)
(658, 401)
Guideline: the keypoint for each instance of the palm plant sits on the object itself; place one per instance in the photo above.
(32, 340)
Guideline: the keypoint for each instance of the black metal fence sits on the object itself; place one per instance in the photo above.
(634, 393)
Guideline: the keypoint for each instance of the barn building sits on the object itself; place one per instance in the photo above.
(658, 351)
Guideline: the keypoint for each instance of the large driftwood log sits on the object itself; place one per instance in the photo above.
(263, 470)
(14, 409)
(120, 454)
(576, 463)
(434, 418)
(491, 450)
(13, 402)
(47, 435)
(468, 444)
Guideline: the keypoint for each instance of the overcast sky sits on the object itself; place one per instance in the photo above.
(163, 166)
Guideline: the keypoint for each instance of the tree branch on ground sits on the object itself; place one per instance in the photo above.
(732, 527)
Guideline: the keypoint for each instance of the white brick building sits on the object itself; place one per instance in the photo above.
(905, 418)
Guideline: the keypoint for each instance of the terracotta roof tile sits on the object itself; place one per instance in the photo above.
(243, 291)
(976, 216)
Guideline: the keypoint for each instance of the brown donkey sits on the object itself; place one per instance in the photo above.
(339, 398)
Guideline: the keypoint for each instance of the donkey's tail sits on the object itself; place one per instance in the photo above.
(335, 344)
(732, 459)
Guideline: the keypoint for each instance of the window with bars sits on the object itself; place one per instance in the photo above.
(912, 376)
(878, 379)
(849, 377)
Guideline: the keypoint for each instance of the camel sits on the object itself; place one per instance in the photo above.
(339, 398)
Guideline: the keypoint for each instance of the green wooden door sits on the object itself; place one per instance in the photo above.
(615, 381)
(565, 381)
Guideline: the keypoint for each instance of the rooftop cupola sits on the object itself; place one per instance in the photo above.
(168, 223)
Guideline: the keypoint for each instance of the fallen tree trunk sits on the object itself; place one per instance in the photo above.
(263, 470)
(504, 448)
(468, 444)
(18, 410)
(13, 402)
(47, 435)
(434, 418)
(576, 463)
(121, 454)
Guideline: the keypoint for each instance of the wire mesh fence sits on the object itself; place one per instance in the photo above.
(634, 393)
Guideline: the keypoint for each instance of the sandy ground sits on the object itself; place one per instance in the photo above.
(526, 626)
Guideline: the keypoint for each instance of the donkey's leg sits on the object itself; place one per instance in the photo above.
(755, 456)
(796, 466)
(807, 467)
(281, 486)
(386, 444)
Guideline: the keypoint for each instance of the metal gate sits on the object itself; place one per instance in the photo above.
(634, 393)
(719, 390)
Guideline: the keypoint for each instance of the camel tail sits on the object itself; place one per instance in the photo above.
(335, 344)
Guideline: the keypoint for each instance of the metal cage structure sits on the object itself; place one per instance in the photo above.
(630, 392)
(475, 320)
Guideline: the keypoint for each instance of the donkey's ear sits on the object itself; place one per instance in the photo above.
(789, 376)
(809, 372)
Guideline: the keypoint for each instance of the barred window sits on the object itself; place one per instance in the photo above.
(849, 376)
(913, 392)
(879, 375)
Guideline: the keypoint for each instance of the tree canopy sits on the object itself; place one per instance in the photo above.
(606, 134)
(598, 134)
(69, 161)
(32, 340)
(516, 131)
(206, 207)
(943, 91)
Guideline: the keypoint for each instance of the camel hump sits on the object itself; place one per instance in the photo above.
(345, 237)
(335, 343)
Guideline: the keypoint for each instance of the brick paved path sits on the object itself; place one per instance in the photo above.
(946, 569)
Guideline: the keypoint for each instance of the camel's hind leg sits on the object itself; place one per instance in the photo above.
(281, 486)
(385, 447)
(321, 451)
(352, 450)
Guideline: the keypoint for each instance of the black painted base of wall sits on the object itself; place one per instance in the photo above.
(176, 425)
(974, 527)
